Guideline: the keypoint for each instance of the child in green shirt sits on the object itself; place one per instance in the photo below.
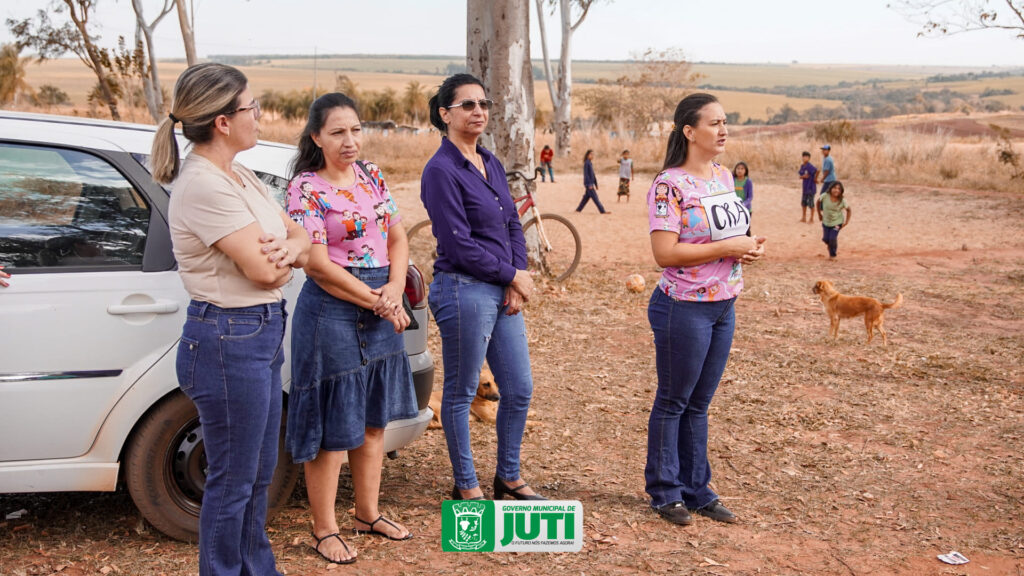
(831, 208)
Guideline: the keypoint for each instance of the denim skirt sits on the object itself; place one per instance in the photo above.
(349, 372)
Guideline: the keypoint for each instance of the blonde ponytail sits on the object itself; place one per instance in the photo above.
(202, 93)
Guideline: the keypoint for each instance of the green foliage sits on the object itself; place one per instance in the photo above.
(379, 106)
(293, 105)
(12, 73)
(51, 40)
(50, 95)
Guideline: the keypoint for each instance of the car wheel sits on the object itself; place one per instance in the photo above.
(166, 469)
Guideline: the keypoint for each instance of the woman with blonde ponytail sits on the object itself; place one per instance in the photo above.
(235, 248)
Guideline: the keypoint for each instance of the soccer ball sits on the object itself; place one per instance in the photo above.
(635, 283)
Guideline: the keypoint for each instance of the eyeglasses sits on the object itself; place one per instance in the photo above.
(470, 105)
(254, 106)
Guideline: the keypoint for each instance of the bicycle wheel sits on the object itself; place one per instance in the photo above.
(560, 254)
(423, 249)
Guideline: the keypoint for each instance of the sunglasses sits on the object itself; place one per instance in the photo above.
(254, 106)
(470, 105)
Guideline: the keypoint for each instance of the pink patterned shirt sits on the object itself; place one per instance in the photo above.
(353, 222)
(700, 211)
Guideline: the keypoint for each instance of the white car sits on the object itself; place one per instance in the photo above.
(90, 323)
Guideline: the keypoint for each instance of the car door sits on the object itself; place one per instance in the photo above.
(93, 302)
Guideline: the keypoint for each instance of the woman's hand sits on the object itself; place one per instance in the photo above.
(739, 246)
(755, 254)
(398, 318)
(390, 299)
(4, 275)
(523, 284)
(513, 301)
(278, 250)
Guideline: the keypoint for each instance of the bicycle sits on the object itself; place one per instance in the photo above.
(555, 254)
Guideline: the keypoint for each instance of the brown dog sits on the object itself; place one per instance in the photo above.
(841, 306)
(484, 406)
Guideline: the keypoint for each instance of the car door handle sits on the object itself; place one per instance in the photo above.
(158, 307)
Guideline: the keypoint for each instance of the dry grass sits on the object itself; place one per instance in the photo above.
(892, 154)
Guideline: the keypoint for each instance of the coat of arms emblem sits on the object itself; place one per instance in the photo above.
(469, 533)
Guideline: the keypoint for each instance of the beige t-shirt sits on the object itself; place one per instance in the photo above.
(207, 205)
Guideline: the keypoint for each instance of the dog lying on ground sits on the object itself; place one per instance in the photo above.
(840, 306)
(484, 406)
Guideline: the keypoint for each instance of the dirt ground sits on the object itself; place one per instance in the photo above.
(839, 458)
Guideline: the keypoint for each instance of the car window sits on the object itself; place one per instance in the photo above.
(63, 208)
(277, 185)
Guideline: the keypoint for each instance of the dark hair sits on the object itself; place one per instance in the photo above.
(546, 146)
(626, 151)
(309, 157)
(446, 95)
(842, 189)
(201, 94)
(746, 169)
(687, 114)
(586, 155)
(806, 153)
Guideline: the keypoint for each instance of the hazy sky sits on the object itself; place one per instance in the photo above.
(754, 31)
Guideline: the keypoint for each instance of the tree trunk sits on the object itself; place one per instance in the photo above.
(99, 67)
(548, 74)
(563, 111)
(187, 32)
(498, 52)
(151, 79)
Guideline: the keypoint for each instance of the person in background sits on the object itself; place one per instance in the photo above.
(546, 156)
(350, 373)
(235, 249)
(744, 187)
(691, 310)
(827, 174)
(480, 286)
(834, 213)
(590, 184)
(807, 176)
(3, 278)
(625, 176)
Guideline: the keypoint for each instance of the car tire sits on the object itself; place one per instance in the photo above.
(165, 469)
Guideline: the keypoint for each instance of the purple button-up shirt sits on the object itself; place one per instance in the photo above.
(474, 219)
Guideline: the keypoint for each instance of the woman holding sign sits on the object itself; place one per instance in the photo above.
(698, 235)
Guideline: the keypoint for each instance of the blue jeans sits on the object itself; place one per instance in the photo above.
(471, 317)
(229, 363)
(551, 172)
(691, 342)
(830, 236)
(590, 194)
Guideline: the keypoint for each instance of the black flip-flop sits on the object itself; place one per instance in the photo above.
(325, 557)
(378, 532)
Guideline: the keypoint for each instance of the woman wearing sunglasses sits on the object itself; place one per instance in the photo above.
(235, 249)
(480, 285)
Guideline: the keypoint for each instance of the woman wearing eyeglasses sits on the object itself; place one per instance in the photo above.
(480, 285)
(235, 249)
